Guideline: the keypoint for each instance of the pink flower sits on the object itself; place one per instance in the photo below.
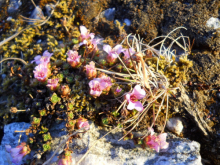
(126, 53)
(105, 83)
(95, 42)
(133, 98)
(66, 159)
(41, 72)
(82, 123)
(118, 90)
(85, 35)
(53, 84)
(91, 70)
(95, 87)
(112, 53)
(18, 152)
(42, 59)
(156, 142)
(37, 59)
(73, 58)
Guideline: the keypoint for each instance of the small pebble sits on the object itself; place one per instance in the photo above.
(175, 125)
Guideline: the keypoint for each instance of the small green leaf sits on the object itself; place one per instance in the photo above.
(46, 146)
(115, 113)
(105, 121)
(75, 40)
(54, 98)
(47, 137)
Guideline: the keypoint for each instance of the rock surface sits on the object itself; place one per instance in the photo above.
(109, 150)
(11, 138)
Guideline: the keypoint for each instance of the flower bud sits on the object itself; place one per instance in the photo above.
(82, 123)
(73, 58)
(91, 70)
(65, 90)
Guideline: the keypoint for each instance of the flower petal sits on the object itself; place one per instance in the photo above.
(140, 93)
(138, 106)
(107, 48)
(83, 30)
(130, 106)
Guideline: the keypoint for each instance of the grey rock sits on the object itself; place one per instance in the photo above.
(175, 125)
(11, 138)
(109, 14)
(109, 150)
(37, 14)
(213, 23)
(13, 6)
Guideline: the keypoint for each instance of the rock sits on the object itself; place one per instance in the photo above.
(111, 151)
(213, 23)
(127, 22)
(11, 138)
(108, 150)
(109, 14)
(175, 125)
(37, 14)
(13, 6)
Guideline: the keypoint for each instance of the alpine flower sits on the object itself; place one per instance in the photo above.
(53, 84)
(112, 53)
(91, 70)
(156, 142)
(84, 35)
(95, 87)
(73, 58)
(66, 159)
(18, 152)
(42, 59)
(133, 98)
(105, 83)
(127, 55)
(41, 72)
(82, 123)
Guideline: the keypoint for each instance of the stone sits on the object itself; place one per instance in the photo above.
(175, 125)
(13, 6)
(11, 138)
(108, 150)
(213, 23)
(37, 14)
(109, 14)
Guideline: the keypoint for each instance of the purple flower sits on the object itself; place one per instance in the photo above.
(133, 98)
(41, 72)
(18, 152)
(82, 123)
(112, 53)
(85, 35)
(95, 87)
(73, 58)
(91, 70)
(105, 83)
(126, 53)
(95, 42)
(42, 59)
(53, 84)
(156, 142)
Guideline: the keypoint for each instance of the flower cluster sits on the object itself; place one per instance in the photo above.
(42, 70)
(18, 152)
(156, 142)
(100, 85)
